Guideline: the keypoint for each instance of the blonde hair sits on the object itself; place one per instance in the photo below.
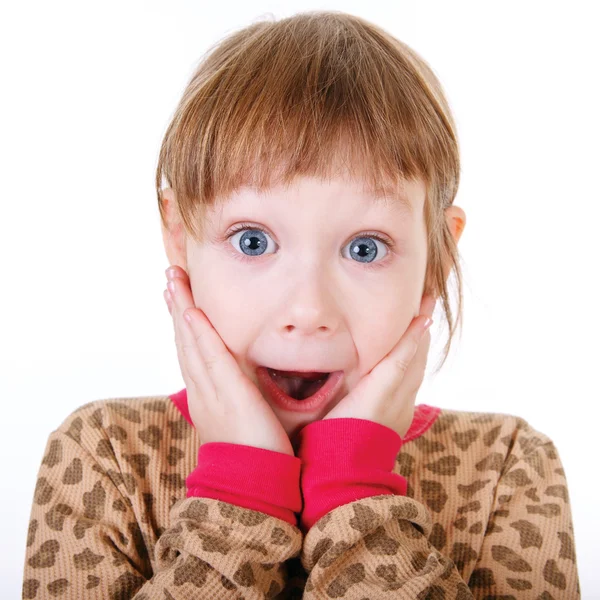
(299, 97)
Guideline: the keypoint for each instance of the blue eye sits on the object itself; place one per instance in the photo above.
(364, 248)
(254, 242)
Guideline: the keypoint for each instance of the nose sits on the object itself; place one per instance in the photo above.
(310, 305)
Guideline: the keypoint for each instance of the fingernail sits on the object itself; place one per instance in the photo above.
(427, 324)
(170, 273)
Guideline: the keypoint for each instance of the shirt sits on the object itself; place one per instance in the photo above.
(129, 503)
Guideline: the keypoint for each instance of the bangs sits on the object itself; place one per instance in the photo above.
(319, 95)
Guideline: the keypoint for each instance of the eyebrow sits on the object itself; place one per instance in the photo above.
(397, 201)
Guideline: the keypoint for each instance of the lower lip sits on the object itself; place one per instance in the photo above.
(310, 404)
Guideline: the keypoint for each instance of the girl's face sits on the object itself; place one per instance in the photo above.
(298, 289)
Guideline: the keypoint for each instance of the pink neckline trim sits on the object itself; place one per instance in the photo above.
(424, 417)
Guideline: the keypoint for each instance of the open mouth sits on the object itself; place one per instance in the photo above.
(299, 392)
(298, 385)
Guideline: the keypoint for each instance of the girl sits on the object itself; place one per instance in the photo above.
(305, 187)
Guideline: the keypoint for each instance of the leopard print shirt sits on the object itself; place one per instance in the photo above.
(486, 515)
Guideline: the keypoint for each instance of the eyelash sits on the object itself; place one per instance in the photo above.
(244, 226)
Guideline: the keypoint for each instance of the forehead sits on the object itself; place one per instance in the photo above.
(407, 198)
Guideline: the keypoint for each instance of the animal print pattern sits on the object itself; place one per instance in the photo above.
(486, 515)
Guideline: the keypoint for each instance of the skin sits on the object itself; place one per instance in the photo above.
(324, 310)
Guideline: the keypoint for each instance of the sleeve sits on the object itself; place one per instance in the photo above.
(365, 538)
(84, 540)
(529, 547)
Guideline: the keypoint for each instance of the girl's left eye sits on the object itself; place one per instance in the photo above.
(254, 242)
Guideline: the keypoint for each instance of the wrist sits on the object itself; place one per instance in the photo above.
(344, 460)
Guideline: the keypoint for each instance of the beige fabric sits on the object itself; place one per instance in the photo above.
(486, 515)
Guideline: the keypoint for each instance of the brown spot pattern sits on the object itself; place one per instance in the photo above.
(434, 495)
(546, 510)
(179, 430)
(58, 587)
(379, 542)
(175, 455)
(31, 531)
(130, 414)
(116, 432)
(529, 534)
(191, 570)
(553, 575)
(519, 584)
(446, 465)
(73, 473)
(510, 559)
(350, 576)
(43, 491)
(138, 462)
(46, 556)
(492, 462)
(54, 455)
(567, 546)
(94, 501)
(87, 559)
(466, 491)
(56, 516)
(507, 492)
(151, 436)
(482, 578)
(30, 588)
(74, 431)
(559, 491)
(463, 439)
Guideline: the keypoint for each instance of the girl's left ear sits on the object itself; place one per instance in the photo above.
(457, 219)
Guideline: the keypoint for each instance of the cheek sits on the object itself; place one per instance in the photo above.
(225, 308)
(379, 333)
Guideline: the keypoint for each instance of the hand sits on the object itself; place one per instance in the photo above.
(224, 404)
(387, 394)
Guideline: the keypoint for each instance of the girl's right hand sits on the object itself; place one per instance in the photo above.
(224, 404)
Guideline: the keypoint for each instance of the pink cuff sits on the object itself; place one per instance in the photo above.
(344, 460)
(254, 478)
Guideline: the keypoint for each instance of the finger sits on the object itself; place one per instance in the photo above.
(223, 370)
(389, 373)
(413, 377)
(218, 366)
(190, 358)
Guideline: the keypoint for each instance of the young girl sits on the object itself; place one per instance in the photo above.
(306, 187)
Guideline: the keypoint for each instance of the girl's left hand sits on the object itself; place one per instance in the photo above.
(387, 393)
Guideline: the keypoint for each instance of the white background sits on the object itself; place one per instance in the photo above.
(88, 91)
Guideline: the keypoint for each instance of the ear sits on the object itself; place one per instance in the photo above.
(456, 219)
(174, 238)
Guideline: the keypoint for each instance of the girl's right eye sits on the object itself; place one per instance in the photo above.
(255, 242)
